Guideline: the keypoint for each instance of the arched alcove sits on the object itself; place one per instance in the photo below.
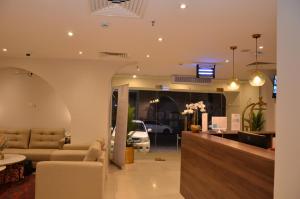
(28, 101)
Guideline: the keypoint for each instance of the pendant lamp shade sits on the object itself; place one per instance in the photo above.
(233, 83)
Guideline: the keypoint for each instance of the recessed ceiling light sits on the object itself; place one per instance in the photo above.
(227, 61)
(80, 52)
(148, 56)
(160, 39)
(183, 6)
(261, 47)
(70, 34)
(4, 49)
(134, 76)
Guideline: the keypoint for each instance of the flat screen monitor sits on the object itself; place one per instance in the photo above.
(219, 123)
(253, 139)
(205, 71)
(274, 86)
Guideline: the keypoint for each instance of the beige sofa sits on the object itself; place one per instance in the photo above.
(72, 179)
(41, 145)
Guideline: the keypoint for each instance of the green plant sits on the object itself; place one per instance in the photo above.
(258, 121)
(130, 126)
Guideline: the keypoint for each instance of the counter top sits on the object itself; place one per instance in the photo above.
(264, 153)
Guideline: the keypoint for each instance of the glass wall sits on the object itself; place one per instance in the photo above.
(161, 112)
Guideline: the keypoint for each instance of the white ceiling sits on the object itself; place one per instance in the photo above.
(201, 33)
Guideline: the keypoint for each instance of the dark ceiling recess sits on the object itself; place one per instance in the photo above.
(118, 1)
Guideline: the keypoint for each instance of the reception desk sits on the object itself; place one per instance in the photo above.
(215, 167)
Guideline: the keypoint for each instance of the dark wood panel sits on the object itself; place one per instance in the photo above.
(214, 167)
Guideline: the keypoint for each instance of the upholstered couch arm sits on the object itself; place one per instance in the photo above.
(76, 146)
(65, 179)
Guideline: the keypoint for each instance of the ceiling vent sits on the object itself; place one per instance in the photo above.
(179, 79)
(118, 55)
(131, 8)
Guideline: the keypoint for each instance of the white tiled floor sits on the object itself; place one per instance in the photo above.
(146, 178)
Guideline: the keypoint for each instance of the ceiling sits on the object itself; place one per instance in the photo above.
(202, 32)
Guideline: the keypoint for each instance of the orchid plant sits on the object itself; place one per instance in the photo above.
(193, 109)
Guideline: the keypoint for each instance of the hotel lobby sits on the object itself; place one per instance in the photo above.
(147, 99)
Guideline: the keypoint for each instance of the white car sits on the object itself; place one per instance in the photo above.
(140, 137)
(158, 127)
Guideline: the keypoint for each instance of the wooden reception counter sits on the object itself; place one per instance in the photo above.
(215, 167)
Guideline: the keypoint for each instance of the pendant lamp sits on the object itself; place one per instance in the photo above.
(233, 83)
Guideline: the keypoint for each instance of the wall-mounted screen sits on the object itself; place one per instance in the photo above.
(274, 86)
(205, 71)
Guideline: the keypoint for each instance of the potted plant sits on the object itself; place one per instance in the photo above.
(258, 121)
(129, 153)
(194, 109)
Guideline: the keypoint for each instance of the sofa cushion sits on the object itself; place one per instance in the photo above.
(93, 152)
(32, 154)
(17, 138)
(68, 155)
(46, 138)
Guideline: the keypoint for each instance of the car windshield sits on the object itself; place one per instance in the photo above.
(139, 127)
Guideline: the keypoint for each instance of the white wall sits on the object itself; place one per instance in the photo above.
(84, 86)
(287, 161)
(27, 101)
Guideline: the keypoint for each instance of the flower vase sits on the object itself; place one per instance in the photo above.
(195, 128)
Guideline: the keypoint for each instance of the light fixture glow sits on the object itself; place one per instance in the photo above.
(4, 49)
(233, 83)
(160, 39)
(80, 52)
(70, 34)
(261, 47)
(134, 76)
(257, 78)
(183, 6)
(227, 61)
(148, 56)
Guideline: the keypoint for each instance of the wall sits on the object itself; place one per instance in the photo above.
(28, 101)
(84, 87)
(287, 162)
(236, 101)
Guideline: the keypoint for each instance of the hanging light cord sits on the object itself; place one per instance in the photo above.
(233, 48)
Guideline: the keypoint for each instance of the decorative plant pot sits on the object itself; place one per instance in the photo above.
(129, 155)
(195, 128)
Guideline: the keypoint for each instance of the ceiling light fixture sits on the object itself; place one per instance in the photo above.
(257, 78)
(261, 47)
(148, 56)
(80, 52)
(70, 34)
(233, 83)
(160, 39)
(183, 6)
(4, 49)
(138, 69)
(134, 76)
(118, 1)
(227, 61)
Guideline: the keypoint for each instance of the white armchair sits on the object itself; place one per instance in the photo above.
(69, 179)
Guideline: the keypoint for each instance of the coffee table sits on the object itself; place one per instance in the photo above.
(10, 159)
(14, 168)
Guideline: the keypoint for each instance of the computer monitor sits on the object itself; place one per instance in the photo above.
(253, 139)
(219, 123)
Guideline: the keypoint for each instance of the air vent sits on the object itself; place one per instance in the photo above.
(178, 79)
(132, 8)
(113, 54)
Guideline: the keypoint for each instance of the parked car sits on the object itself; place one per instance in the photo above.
(158, 127)
(140, 137)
